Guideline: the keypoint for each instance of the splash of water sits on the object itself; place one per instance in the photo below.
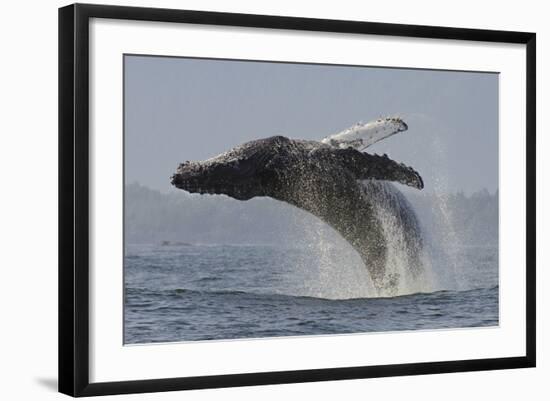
(331, 268)
(445, 252)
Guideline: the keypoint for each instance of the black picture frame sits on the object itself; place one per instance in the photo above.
(74, 198)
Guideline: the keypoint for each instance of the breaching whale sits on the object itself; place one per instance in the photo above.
(331, 179)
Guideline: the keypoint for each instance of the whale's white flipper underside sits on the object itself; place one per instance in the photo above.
(362, 135)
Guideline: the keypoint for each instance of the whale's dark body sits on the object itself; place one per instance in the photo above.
(345, 188)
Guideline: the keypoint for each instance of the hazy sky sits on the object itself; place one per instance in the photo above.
(179, 109)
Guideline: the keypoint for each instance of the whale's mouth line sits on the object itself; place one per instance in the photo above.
(212, 189)
(193, 187)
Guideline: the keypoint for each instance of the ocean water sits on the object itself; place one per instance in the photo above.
(186, 292)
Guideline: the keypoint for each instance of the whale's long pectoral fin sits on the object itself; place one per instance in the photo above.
(360, 136)
(366, 166)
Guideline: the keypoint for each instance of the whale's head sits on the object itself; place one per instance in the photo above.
(242, 173)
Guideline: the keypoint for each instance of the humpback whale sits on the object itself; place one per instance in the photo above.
(332, 179)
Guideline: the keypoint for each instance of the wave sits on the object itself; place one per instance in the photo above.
(418, 297)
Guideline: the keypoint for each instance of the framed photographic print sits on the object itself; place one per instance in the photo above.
(250, 199)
